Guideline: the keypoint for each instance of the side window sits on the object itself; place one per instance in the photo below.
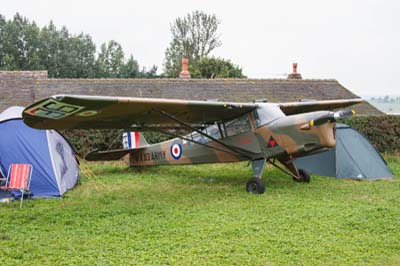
(237, 126)
(266, 113)
(213, 131)
(256, 118)
(199, 138)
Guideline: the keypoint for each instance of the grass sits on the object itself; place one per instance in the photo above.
(201, 215)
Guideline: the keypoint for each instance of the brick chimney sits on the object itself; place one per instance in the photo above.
(294, 74)
(185, 73)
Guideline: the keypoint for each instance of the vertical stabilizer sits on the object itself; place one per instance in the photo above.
(133, 140)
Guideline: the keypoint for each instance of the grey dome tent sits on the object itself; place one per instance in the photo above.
(55, 167)
(353, 157)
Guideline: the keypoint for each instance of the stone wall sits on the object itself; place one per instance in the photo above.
(18, 87)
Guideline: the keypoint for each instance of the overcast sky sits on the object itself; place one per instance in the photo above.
(356, 42)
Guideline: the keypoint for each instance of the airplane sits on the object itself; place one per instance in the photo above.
(203, 131)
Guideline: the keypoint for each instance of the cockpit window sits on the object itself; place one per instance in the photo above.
(265, 114)
(212, 131)
(238, 125)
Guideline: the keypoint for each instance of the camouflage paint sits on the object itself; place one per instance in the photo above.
(290, 132)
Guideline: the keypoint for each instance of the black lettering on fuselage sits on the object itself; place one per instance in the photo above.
(149, 156)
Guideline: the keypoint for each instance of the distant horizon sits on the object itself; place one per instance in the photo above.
(379, 95)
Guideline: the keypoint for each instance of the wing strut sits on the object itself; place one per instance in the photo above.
(200, 132)
(187, 139)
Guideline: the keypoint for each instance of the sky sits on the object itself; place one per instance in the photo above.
(356, 42)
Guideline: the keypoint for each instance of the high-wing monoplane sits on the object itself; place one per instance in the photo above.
(203, 131)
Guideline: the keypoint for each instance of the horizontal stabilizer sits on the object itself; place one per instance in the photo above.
(111, 155)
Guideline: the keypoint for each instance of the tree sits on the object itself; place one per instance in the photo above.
(130, 69)
(25, 46)
(3, 24)
(110, 61)
(215, 68)
(150, 74)
(84, 56)
(194, 37)
(19, 44)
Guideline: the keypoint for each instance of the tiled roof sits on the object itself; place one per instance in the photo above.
(237, 90)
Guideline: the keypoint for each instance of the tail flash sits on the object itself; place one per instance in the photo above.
(133, 140)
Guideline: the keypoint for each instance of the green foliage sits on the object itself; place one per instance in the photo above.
(201, 215)
(111, 60)
(194, 37)
(215, 68)
(19, 44)
(130, 69)
(383, 131)
(25, 46)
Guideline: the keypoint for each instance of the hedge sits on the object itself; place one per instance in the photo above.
(382, 131)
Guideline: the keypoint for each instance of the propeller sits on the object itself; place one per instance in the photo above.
(331, 117)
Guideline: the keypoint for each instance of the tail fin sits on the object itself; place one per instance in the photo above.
(133, 140)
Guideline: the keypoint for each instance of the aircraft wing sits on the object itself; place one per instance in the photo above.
(84, 112)
(303, 107)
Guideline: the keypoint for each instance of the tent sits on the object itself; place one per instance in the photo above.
(353, 157)
(55, 167)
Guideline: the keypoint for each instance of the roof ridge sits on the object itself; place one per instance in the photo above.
(172, 80)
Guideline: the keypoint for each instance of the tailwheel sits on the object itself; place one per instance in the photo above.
(255, 186)
(304, 177)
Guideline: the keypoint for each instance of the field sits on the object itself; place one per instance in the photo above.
(201, 215)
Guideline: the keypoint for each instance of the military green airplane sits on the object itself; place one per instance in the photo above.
(221, 132)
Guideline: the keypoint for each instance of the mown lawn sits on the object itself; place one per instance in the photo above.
(201, 215)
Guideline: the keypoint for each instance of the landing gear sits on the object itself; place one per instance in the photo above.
(304, 177)
(255, 186)
(298, 175)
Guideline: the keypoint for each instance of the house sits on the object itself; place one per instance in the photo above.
(25, 87)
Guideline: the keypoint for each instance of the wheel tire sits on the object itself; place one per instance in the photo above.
(305, 177)
(255, 186)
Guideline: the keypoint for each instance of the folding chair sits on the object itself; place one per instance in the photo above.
(18, 178)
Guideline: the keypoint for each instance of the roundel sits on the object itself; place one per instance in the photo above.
(88, 113)
(176, 151)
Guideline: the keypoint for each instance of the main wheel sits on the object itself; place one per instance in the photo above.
(255, 186)
(304, 177)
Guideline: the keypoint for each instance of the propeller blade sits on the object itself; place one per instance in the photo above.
(344, 114)
(331, 117)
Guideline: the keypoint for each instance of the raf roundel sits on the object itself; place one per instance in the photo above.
(176, 151)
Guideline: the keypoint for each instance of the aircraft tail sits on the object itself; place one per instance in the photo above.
(131, 141)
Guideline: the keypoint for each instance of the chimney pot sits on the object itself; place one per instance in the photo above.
(295, 74)
(185, 72)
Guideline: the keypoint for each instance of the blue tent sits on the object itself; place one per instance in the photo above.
(353, 157)
(55, 168)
